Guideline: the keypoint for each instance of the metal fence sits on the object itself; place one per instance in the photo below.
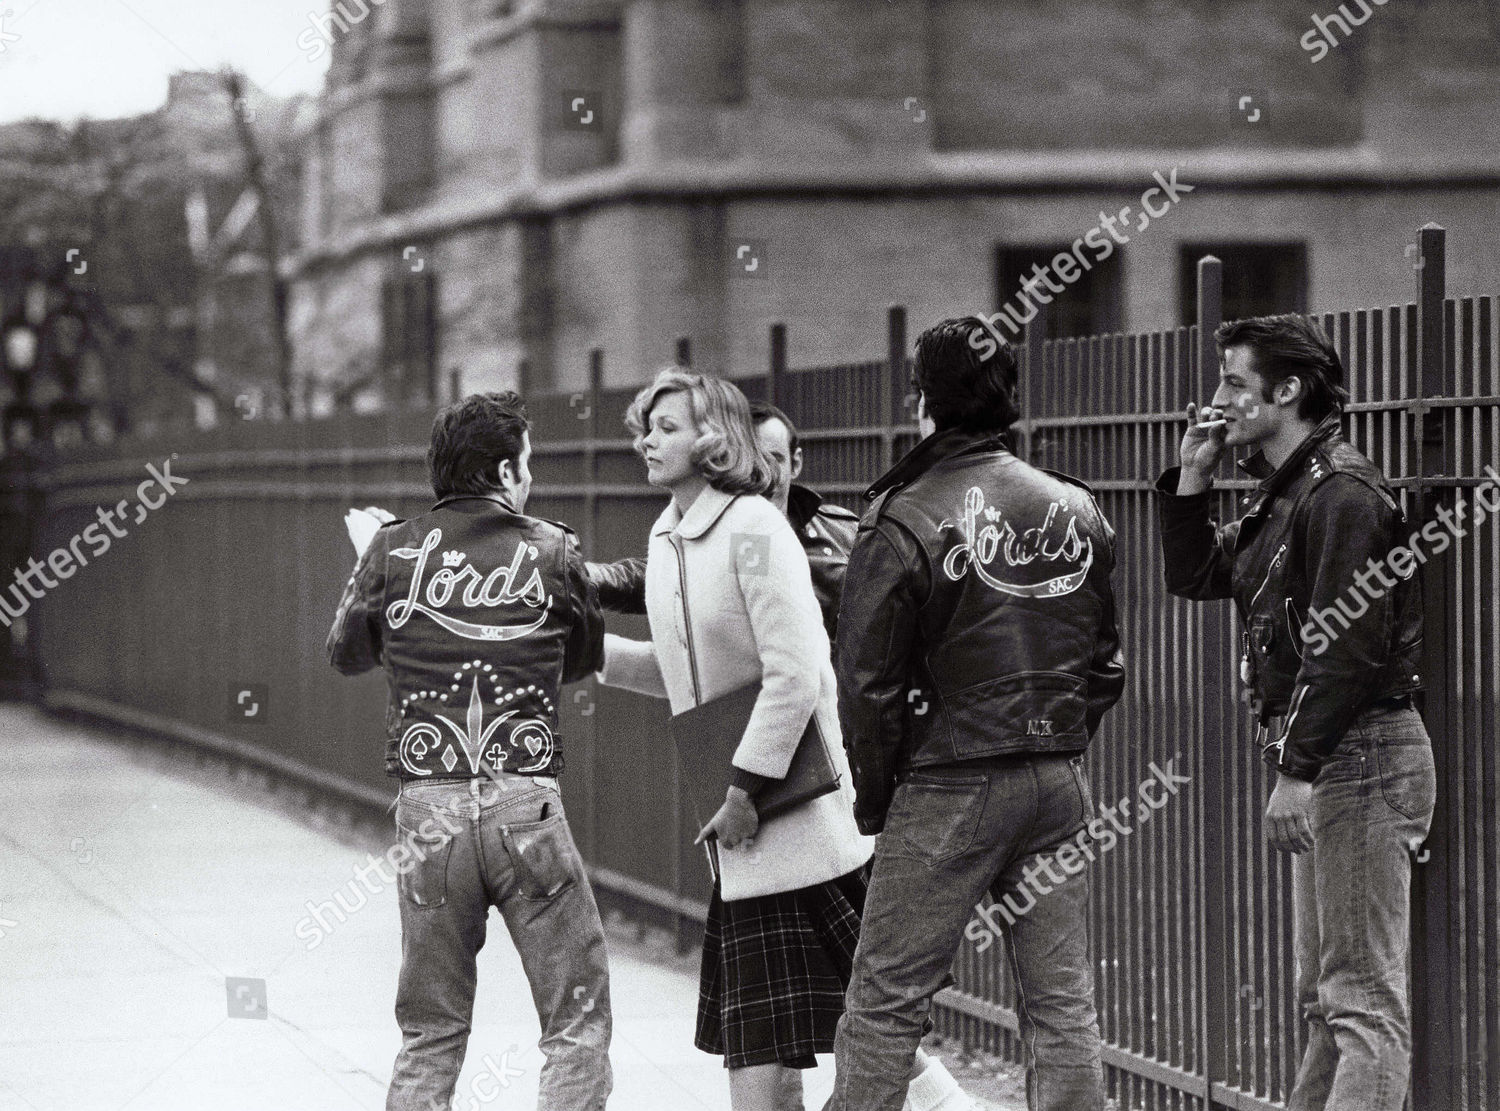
(229, 587)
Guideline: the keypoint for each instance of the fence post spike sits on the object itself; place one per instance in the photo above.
(1435, 1042)
(893, 381)
(778, 364)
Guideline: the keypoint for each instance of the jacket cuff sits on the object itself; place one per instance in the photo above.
(870, 824)
(1166, 487)
(748, 782)
(1305, 770)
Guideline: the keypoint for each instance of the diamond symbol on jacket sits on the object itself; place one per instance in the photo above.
(475, 734)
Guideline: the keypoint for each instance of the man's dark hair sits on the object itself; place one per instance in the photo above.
(762, 411)
(471, 437)
(1291, 346)
(968, 384)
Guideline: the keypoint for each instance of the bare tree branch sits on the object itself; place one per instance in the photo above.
(255, 172)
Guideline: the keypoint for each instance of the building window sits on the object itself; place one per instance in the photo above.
(409, 338)
(1090, 301)
(1260, 279)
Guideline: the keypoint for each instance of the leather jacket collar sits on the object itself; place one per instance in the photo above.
(1272, 479)
(802, 506)
(499, 498)
(932, 451)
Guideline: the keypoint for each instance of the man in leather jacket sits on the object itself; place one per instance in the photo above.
(977, 654)
(826, 530)
(1332, 650)
(478, 614)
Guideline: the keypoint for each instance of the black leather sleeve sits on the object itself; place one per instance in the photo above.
(1195, 552)
(877, 631)
(354, 641)
(585, 645)
(1106, 675)
(621, 585)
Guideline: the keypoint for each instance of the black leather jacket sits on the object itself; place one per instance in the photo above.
(978, 617)
(1315, 527)
(826, 532)
(478, 614)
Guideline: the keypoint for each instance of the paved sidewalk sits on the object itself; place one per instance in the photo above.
(139, 881)
(136, 893)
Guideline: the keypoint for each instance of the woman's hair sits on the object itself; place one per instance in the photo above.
(727, 452)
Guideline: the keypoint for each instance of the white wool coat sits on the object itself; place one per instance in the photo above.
(755, 616)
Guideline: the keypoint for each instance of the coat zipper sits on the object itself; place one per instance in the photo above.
(687, 618)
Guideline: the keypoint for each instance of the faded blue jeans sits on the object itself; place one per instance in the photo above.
(1351, 909)
(473, 844)
(951, 835)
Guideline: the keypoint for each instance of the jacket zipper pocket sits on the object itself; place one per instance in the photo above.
(1275, 561)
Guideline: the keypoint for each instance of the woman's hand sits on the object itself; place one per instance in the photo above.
(735, 823)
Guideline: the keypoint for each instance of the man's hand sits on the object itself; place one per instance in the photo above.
(735, 823)
(1289, 815)
(1201, 449)
(363, 524)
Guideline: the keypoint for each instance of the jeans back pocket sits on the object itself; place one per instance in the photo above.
(543, 855)
(422, 878)
(936, 818)
(1408, 779)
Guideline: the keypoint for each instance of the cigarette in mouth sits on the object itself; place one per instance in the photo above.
(1212, 423)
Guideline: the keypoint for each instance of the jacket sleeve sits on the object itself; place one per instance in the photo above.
(622, 585)
(584, 651)
(877, 634)
(1196, 554)
(1106, 675)
(828, 571)
(631, 665)
(354, 641)
(787, 626)
(1348, 530)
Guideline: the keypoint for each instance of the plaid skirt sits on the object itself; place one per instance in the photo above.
(775, 968)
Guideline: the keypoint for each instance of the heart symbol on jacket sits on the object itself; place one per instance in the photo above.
(533, 745)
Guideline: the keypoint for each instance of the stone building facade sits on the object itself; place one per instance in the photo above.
(491, 183)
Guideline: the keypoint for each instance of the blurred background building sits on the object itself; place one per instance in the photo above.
(137, 262)
(493, 183)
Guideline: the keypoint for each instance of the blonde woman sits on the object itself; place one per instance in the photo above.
(783, 921)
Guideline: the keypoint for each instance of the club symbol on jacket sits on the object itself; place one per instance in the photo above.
(528, 738)
(1069, 552)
